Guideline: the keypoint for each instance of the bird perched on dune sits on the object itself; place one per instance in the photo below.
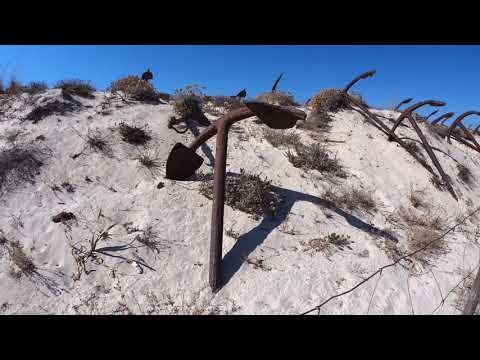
(147, 75)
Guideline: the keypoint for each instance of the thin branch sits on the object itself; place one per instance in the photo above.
(392, 264)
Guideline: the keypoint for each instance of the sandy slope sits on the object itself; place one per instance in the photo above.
(174, 280)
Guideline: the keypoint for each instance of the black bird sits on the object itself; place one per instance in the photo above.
(242, 94)
(147, 75)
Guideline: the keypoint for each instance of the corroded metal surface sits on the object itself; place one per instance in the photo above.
(365, 75)
(412, 108)
(406, 101)
(274, 87)
(183, 162)
(443, 117)
(431, 114)
(458, 121)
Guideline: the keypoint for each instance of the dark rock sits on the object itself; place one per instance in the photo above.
(63, 216)
(160, 185)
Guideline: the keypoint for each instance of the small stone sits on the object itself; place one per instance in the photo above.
(63, 216)
(160, 185)
(365, 253)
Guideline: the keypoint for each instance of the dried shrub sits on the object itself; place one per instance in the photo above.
(276, 98)
(464, 174)
(247, 193)
(20, 163)
(76, 87)
(281, 137)
(331, 100)
(418, 237)
(36, 87)
(413, 147)
(133, 134)
(135, 88)
(98, 142)
(14, 87)
(187, 102)
(150, 160)
(351, 198)
(355, 95)
(21, 260)
(327, 244)
(2, 87)
(416, 198)
(316, 157)
(52, 108)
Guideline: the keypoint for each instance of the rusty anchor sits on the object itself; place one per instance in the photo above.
(362, 76)
(458, 122)
(375, 121)
(274, 87)
(183, 162)
(406, 101)
(443, 118)
(431, 114)
(408, 114)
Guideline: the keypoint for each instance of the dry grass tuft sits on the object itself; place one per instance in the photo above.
(280, 138)
(276, 98)
(464, 174)
(247, 193)
(133, 134)
(328, 244)
(76, 87)
(316, 157)
(351, 198)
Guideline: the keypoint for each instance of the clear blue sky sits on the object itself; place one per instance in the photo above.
(448, 73)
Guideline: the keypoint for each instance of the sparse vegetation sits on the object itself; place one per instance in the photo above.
(188, 101)
(20, 163)
(36, 87)
(351, 198)
(14, 88)
(413, 147)
(135, 88)
(329, 100)
(216, 105)
(464, 174)
(151, 240)
(150, 160)
(75, 87)
(52, 108)
(247, 193)
(327, 244)
(98, 142)
(276, 98)
(280, 138)
(133, 134)
(316, 157)
(416, 198)
(20, 262)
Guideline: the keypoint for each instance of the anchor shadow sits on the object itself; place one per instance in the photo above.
(192, 125)
(249, 241)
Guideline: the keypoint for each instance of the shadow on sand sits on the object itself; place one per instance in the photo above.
(249, 241)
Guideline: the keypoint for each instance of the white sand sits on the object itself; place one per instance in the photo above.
(175, 280)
